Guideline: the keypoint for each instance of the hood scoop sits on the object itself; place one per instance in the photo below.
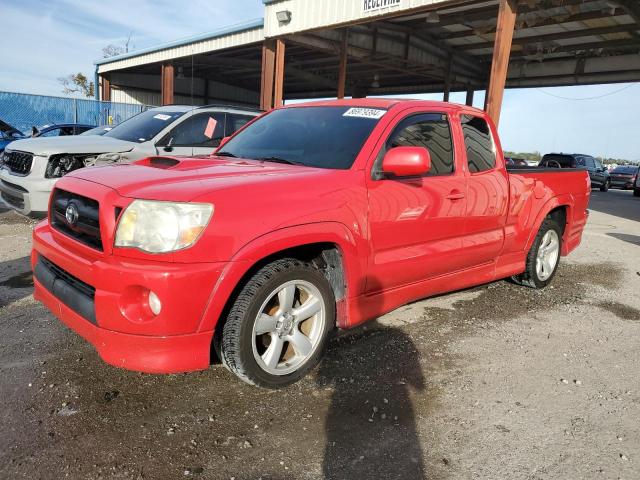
(159, 162)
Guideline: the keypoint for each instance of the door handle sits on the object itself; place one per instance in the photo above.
(455, 195)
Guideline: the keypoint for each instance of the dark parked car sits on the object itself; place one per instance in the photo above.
(60, 130)
(515, 162)
(624, 176)
(636, 186)
(599, 175)
(8, 134)
(97, 131)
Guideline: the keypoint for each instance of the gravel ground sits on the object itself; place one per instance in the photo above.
(498, 381)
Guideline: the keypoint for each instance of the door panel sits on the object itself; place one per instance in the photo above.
(417, 223)
(487, 203)
(487, 193)
(415, 230)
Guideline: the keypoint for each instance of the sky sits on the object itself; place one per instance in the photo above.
(44, 40)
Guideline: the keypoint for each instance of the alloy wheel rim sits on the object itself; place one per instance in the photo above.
(548, 254)
(289, 327)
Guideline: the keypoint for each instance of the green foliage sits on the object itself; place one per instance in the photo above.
(77, 83)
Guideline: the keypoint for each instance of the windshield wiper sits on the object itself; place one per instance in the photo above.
(278, 160)
(225, 154)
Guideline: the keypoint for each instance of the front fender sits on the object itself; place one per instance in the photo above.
(352, 249)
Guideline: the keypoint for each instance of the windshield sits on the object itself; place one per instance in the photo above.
(144, 126)
(627, 170)
(325, 137)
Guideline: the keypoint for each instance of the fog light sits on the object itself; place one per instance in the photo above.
(154, 303)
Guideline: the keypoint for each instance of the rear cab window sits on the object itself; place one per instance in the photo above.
(479, 144)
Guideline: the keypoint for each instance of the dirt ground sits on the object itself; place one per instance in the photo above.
(494, 382)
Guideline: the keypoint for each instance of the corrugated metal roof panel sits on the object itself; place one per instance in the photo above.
(241, 34)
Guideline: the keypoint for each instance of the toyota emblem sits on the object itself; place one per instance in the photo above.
(71, 214)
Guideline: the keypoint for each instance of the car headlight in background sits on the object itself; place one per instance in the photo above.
(107, 158)
(159, 227)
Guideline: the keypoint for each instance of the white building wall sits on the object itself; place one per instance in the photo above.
(310, 14)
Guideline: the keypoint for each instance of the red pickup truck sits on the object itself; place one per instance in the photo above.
(314, 216)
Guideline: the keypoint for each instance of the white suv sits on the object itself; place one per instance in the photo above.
(29, 168)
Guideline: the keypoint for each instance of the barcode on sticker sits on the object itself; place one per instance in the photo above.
(359, 112)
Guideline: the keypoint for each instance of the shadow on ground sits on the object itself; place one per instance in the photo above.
(620, 203)
(16, 281)
(625, 237)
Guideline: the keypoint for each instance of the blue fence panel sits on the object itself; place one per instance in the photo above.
(24, 111)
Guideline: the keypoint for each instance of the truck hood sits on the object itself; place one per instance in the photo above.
(43, 146)
(187, 179)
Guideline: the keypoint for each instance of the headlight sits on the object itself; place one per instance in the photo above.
(59, 165)
(107, 158)
(158, 227)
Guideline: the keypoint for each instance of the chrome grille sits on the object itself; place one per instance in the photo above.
(86, 227)
(18, 162)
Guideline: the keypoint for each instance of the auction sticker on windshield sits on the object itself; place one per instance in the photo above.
(359, 112)
(162, 116)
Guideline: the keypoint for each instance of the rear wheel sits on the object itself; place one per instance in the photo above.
(278, 326)
(544, 256)
(605, 186)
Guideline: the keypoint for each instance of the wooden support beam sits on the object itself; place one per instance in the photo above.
(106, 90)
(278, 87)
(447, 81)
(501, 52)
(166, 85)
(469, 99)
(268, 73)
(342, 68)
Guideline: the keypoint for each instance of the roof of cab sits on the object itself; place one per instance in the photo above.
(386, 103)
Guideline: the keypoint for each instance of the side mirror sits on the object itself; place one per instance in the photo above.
(169, 146)
(407, 161)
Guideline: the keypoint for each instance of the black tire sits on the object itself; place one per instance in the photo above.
(236, 346)
(636, 192)
(529, 277)
(605, 186)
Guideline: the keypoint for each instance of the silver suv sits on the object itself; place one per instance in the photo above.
(29, 168)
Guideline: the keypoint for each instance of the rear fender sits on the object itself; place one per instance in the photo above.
(565, 201)
(278, 241)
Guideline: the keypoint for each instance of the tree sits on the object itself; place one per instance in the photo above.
(77, 83)
(112, 50)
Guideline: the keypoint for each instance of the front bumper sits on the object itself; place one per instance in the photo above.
(28, 194)
(98, 297)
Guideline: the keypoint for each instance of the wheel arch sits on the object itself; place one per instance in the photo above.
(560, 209)
(330, 246)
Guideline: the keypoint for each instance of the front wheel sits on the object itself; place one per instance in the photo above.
(636, 192)
(278, 326)
(544, 256)
(605, 186)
